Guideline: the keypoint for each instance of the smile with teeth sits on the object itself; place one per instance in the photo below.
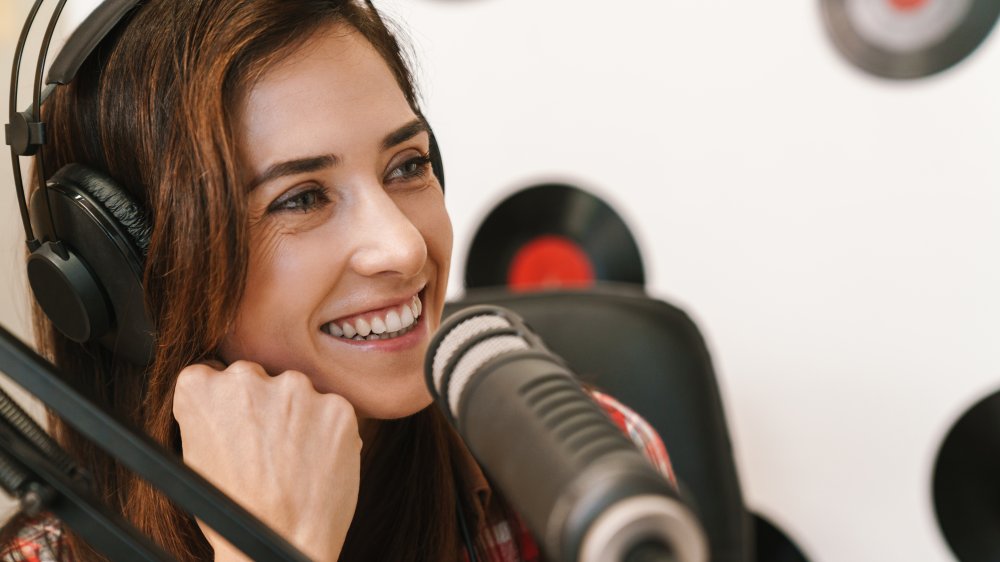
(388, 324)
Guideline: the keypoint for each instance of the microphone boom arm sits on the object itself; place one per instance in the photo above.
(140, 454)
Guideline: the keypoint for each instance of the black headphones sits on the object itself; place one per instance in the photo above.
(87, 236)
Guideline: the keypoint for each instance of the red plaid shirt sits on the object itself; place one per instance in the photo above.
(507, 540)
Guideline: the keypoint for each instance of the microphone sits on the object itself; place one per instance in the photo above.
(583, 488)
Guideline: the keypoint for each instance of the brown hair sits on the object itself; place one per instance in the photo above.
(154, 107)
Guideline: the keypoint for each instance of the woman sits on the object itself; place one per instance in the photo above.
(297, 268)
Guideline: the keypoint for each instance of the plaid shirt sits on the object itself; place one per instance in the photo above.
(39, 542)
(507, 540)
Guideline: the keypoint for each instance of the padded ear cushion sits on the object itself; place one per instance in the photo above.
(114, 199)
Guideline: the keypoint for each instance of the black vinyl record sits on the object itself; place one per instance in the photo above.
(556, 236)
(905, 39)
(772, 544)
(967, 483)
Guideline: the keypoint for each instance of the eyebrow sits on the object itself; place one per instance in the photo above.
(405, 133)
(316, 163)
(293, 167)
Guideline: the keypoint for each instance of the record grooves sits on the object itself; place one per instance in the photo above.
(552, 235)
(905, 39)
(967, 483)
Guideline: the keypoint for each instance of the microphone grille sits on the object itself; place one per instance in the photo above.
(476, 357)
(458, 335)
(454, 340)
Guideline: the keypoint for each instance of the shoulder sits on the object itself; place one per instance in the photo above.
(36, 541)
(638, 430)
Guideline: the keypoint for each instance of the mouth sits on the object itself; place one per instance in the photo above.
(383, 324)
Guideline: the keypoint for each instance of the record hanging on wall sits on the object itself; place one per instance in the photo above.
(966, 484)
(552, 236)
(906, 39)
(772, 544)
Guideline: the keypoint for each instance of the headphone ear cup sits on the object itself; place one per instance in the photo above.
(115, 200)
(87, 275)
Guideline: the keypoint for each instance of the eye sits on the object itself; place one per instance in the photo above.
(415, 167)
(301, 200)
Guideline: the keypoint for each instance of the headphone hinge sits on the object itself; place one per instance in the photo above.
(24, 134)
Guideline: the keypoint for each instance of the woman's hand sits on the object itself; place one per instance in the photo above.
(288, 454)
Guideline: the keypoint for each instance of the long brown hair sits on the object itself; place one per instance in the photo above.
(154, 108)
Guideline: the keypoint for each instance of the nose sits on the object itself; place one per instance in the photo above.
(386, 240)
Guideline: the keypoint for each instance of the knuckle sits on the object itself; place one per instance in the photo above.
(338, 403)
(190, 378)
(341, 409)
(245, 367)
(295, 379)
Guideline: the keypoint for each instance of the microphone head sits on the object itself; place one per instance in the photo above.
(466, 341)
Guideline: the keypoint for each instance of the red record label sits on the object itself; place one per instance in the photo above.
(550, 261)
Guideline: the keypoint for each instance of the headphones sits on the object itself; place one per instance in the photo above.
(87, 237)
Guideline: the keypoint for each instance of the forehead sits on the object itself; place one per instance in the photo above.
(334, 86)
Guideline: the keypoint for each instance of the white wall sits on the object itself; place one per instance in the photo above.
(835, 235)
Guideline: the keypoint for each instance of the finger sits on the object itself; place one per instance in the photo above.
(245, 367)
(214, 363)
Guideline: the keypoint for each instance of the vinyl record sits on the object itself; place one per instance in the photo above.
(908, 38)
(967, 484)
(552, 236)
(773, 545)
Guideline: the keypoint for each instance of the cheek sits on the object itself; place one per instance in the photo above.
(431, 218)
(279, 267)
(440, 237)
(264, 269)
(429, 215)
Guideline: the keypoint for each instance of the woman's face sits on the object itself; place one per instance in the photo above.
(348, 231)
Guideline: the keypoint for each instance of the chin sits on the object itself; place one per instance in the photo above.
(392, 408)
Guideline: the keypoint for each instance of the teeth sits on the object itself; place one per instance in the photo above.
(392, 322)
(406, 318)
(396, 322)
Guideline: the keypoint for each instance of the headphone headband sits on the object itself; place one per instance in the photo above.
(25, 132)
(85, 38)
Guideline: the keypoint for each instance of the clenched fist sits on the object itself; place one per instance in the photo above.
(288, 454)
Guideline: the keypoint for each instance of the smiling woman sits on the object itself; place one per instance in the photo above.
(347, 217)
(295, 267)
(285, 168)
